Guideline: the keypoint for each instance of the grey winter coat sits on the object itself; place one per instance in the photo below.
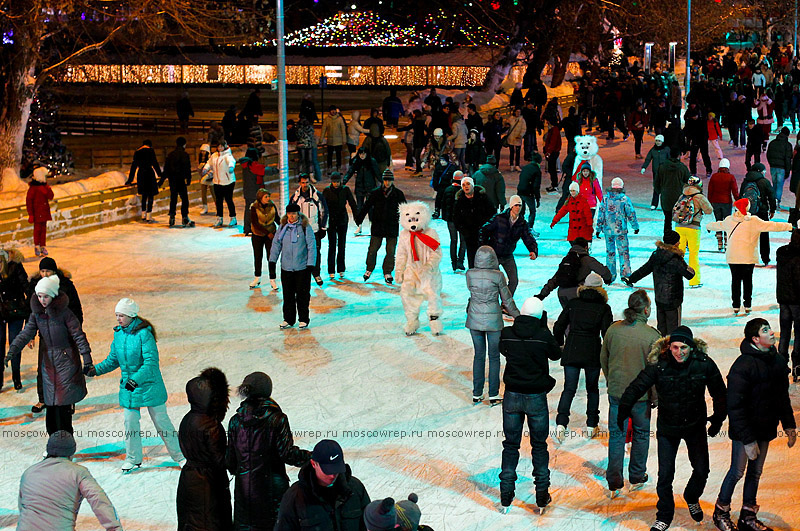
(486, 282)
(61, 333)
(657, 156)
(51, 492)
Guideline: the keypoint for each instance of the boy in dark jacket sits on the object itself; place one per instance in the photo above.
(680, 370)
(458, 249)
(788, 297)
(178, 169)
(326, 494)
(758, 190)
(758, 398)
(530, 183)
(755, 137)
(471, 210)
(572, 271)
(669, 269)
(527, 345)
(337, 197)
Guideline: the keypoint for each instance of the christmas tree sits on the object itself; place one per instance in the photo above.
(43, 139)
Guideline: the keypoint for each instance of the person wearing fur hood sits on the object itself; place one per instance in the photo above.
(743, 232)
(135, 353)
(586, 319)
(15, 306)
(204, 498)
(38, 207)
(668, 268)
(144, 169)
(681, 370)
(296, 246)
(263, 217)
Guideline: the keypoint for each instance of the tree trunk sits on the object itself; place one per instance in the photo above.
(499, 71)
(560, 62)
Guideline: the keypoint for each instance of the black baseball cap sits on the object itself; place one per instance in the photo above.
(329, 456)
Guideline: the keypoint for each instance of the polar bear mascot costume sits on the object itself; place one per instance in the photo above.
(586, 149)
(417, 267)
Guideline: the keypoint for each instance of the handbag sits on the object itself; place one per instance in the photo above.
(504, 139)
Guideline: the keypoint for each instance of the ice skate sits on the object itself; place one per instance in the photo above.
(411, 327)
(331, 276)
(388, 278)
(144, 217)
(367, 274)
(172, 221)
(659, 526)
(722, 519)
(590, 432)
(218, 223)
(302, 326)
(232, 223)
(273, 284)
(736, 311)
(255, 283)
(695, 511)
(561, 434)
(318, 280)
(747, 310)
(495, 400)
(150, 218)
(358, 231)
(43, 250)
(614, 493)
(435, 324)
(749, 522)
(505, 500)
(127, 467)
(38, 408)
(284, 325)
(543, 499)
(204, 211)
(341, 275)
(188, 223)
(638, 485)
(37, 250)
(477, 400)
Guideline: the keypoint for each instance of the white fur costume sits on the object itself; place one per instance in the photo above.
(586, 148)
(419, 279)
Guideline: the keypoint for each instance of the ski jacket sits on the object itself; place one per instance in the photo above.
(527, 346)
(668, 268)
(486, 284)
(587, 317)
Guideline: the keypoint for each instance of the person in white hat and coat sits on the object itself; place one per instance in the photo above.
(135, 353)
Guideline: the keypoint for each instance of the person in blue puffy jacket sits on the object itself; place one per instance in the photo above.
(135, 353)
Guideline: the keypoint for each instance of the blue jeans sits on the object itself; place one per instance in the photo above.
(516, 408)
(778, 176)
(479, 341)
(637, 468)
(697, 448)
(571, 377)
(739, 462)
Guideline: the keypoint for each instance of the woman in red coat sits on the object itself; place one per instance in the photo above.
(37, 203)
(580, 216)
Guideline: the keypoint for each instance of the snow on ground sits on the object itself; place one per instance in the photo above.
(399, 406)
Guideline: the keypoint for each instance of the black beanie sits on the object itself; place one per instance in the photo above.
(672, 238)
(381, 515)
(61, 444)
(256, 384)
(682, 334)
(48, 263)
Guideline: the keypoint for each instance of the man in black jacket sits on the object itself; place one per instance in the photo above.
(471, 210)
(178, 169)
(758, 398)
(527, 345)
(680, 370)
(576, 265)
(669, 269)
(529, 188)
(382, 205)
(337, 198)
(787, 290)
(458, 248)
(503, 232)
(326, 494)
(758, 190)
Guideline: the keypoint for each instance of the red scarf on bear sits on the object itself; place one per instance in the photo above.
(424, 238)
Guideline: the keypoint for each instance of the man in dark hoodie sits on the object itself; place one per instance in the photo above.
(490, 178)
(788, 297)
(529, 188)
(178, 169)
(572, 271)
(472, 209)
(758, 190)
(337, 197)
(527, 345)
(755, 137)
(681, 370)
(326, 494)
(672, 176)
(758, 399)
(779, 157)
(204, 498)
(458, 249)
(669, 269)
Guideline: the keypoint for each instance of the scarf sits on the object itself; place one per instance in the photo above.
(424, 238)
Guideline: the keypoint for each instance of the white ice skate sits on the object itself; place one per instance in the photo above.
(255, 283)
(561, 434)
(127, 466)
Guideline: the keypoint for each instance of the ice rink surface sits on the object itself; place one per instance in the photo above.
(400, 407)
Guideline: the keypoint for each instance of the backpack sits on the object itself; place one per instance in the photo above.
(683, 212)
(567, 273)
(752, 193)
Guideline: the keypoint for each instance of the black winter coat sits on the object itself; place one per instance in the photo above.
(502, 236)
(527, 345)
(588, 317)
(303, 507)
(366, 172)
(758, 395)
(470, 214)
(259, 443)
(145, 161)
(766, 203)
(681, 389)
(449, 202)
(67, 286)
(204, 499)
(669, 269)
(384, 211)
(669, 181)
(14, 303)
(61, 341)
(337, 200)
(787, 287)
(178, 169)
(530, 181)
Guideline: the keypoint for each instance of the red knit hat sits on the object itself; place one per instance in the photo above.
(742, 205)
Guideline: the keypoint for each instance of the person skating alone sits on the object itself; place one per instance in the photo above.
(580, 215)
(529, 188)
(367, 176)
(295, 245)
(135, 353)
(687, 214)
(656, 156)
(723, 190)
(681, 371)
(615, 212)
(37, 204)
(758, 399)
(15, 308)
(458, 248)
(178, 169)
(337, 197)
(527, 346)
(144, 169)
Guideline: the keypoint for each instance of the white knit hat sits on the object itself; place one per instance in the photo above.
(514, 200)
(467, 180)
(438, 132)
(616, 182)
(40, 174)
(659, 138)
(48, 286)
(532, 307)
(574, 187)
(593, 280)
(725, 163)
(127, 306)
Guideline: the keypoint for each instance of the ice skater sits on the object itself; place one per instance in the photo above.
(615, 212)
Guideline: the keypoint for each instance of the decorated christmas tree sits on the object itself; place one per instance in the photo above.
(43, 138)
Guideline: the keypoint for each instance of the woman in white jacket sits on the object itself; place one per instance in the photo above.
(743, 231)
(222, 164)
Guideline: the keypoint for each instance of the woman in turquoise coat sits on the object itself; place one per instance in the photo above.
(135, 352)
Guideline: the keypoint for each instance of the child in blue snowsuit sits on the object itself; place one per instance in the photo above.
(614, 214)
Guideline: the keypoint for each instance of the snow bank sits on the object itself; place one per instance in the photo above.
(15, 196)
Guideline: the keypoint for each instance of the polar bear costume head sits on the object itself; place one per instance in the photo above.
(415, 216)
(586, 146)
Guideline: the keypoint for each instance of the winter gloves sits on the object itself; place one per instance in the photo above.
(130, 385)
(89, 370)
(716, 425)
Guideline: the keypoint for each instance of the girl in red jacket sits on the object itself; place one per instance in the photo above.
(37, 203)
(580, 216)
(714, 133)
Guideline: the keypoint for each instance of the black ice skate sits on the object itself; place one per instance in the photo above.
(543, 499)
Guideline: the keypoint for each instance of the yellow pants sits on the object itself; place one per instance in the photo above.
(691, 238)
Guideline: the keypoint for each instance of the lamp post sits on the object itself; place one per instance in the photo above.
(688, 45)
(283, 143)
